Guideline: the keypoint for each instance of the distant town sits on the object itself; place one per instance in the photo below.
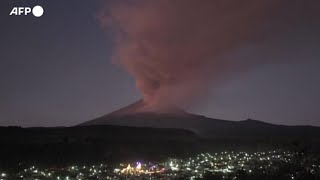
(277, 164)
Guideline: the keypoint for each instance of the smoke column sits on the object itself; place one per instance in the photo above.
(175, 49)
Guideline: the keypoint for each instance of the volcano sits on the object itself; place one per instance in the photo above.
(139, 114)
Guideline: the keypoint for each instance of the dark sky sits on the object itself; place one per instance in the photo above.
(56, 70)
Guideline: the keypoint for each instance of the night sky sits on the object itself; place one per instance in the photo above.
(56, 70)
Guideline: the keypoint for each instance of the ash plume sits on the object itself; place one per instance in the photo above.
(175, 49)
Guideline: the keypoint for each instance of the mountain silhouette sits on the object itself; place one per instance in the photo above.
(135, 116)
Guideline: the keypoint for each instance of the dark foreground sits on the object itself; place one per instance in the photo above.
(277, 164)
(116, 152)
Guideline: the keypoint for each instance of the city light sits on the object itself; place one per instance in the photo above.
(226, 164)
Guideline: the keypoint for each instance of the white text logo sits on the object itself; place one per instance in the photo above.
(37, 11)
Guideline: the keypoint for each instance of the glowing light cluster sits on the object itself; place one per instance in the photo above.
(226, 164)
